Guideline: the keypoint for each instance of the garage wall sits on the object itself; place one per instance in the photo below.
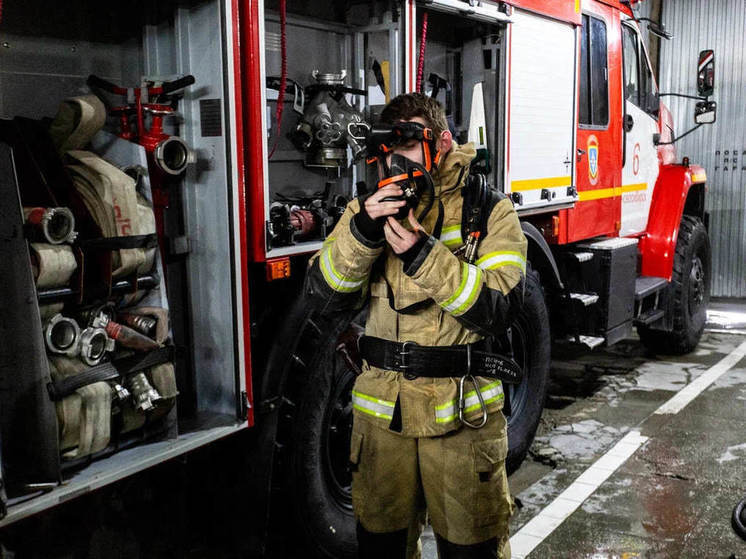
(721, 147)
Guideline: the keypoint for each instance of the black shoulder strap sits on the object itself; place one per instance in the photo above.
(480, 196)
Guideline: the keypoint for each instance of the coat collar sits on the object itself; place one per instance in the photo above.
(449, 175)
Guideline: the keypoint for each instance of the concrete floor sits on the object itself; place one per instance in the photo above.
(674, 496)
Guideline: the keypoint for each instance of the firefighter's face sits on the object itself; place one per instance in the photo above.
(412, 149)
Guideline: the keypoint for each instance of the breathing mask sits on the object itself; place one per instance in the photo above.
(414, 178)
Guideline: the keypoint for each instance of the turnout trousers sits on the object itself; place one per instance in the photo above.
(458, 477)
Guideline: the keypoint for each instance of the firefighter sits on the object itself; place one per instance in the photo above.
(428, 430)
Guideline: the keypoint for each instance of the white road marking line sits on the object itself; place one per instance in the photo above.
(539, 527)
(555, 513)
(684, 396)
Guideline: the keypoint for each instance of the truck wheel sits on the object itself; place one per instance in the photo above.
(319, 472)
(689, 292)
(532, 350)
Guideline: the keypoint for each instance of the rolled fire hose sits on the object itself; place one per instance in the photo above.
(99, 185)
(78, 119)
(52, 265)
(84, 417)
(53, 225)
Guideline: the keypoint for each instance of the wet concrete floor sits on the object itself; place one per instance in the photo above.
(675, 495)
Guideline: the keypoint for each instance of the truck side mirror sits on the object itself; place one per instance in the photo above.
(705, 112)
(706, 73)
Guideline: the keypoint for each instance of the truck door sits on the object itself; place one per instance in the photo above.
(640, 167)
(599, 149)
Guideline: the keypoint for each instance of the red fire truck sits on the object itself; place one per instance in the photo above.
(252, 174)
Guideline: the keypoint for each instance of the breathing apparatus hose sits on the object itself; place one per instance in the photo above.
(283, 73)
(421, 61)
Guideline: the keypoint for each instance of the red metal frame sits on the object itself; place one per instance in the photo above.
(253, 150)
(242, 68)
(568, 10)
(658, 244)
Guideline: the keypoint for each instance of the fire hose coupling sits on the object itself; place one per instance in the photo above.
(120, 392)
(62, 335)
(173, 155)
(52, 225)
(94, 344)
(143, 393)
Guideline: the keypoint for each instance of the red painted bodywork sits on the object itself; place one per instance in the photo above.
(243, 32)
(658, 244)
(591, 218)
(564, 11)
(253, 151)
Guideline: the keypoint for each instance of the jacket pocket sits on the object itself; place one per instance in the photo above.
(493, 502)
(356, 446)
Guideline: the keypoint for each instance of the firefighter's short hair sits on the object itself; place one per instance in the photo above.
(410, 105)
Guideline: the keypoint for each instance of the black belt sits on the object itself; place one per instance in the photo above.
(416, 360)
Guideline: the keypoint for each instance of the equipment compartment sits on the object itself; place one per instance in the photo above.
(342, 66)
(50, 51)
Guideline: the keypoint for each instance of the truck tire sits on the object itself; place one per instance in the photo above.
(689, 292)
(532, 350)
(319, 471)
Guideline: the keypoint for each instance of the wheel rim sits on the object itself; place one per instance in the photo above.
(696, 286)
(336, 436)
(518, 394)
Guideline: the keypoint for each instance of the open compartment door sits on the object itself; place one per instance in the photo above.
(541, 112)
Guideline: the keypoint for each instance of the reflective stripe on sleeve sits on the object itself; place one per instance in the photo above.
(494, 260)
(336, 280)
(492, 392)
(372, 406)
(451, 236)
(471, 278)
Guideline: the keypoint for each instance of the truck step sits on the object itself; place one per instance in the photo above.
(582, 256)
(591, 342)
(587, 299)
(649, 317)
(647, 285)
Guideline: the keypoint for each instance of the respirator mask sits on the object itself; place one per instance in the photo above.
(414, 178)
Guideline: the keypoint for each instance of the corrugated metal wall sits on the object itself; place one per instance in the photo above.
(721, 147)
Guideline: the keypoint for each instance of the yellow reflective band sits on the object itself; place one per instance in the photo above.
(586, 195)
(372, 406)
(470, 281)
(472, 295)
(493, 260)
(451, 236)
(535, 184)
(634, 187)
(492, 392)
(336, 281)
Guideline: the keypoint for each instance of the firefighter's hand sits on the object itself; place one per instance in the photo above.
(400, 238)
(377, 209)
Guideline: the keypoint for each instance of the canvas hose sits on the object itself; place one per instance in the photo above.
(78, 119)
(84, 417)
(52, 265)
(110, 196)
